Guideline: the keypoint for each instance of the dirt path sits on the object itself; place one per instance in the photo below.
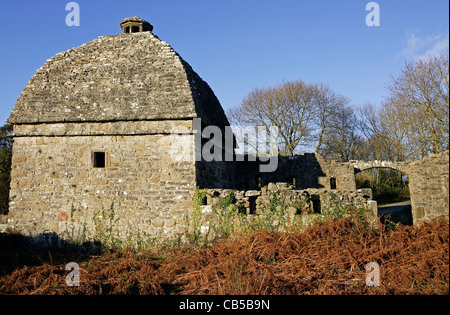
(394, 207)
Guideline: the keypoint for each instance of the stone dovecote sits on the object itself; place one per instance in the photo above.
(101, 125)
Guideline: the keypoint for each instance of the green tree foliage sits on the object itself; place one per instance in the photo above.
(387, 185)
(5, 166)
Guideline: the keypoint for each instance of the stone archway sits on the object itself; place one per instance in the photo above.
(428, 183)
(392, 206)
(365, 165)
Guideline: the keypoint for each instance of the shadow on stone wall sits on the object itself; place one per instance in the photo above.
(301, 171)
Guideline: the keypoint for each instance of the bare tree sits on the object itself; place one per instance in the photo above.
(328, 104)
(288, 107)
(380, 141)
(343, 141)
(419, 100)
(303, 113)
(395, 126)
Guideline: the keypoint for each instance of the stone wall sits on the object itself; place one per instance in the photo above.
(298, 202)
(429, 187)
(309, 170)
(54, 182)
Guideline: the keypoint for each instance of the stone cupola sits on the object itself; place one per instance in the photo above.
(135, 25)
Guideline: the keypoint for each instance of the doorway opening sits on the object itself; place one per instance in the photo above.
(390, 188)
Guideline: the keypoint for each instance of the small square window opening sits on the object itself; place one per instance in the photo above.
(99, 159)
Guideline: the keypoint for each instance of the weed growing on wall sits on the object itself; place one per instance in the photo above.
(273, 217)
(333, 208)
(105, 231)
(104, 222)
(195, 220)
(227, 217)
(76, 233)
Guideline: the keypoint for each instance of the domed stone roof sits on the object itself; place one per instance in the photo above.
(132, 76)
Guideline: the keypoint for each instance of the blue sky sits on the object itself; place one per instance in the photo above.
(237, 46)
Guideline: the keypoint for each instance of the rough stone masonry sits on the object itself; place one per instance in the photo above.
(95, 129)
(95, 126)
(429, 187)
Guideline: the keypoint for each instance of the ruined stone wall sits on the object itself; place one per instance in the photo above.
(429, 187)
(218, 171)
(218, 174)
(298, 202)
(302, 171)
(55, 186)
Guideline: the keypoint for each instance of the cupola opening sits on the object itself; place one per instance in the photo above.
(135, 25)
